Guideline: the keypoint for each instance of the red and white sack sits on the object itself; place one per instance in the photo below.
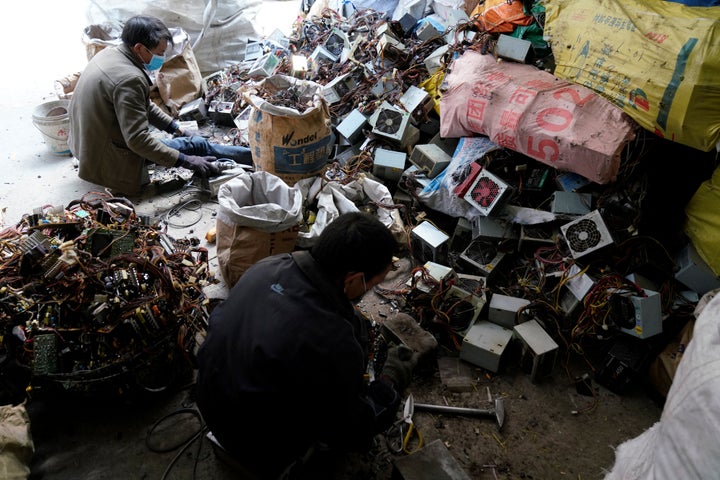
(528, 110)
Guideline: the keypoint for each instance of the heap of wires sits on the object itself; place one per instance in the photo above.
(92, 293)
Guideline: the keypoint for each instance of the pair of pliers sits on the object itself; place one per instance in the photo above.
(411, 440)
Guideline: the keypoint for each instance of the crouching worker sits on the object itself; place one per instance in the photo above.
(111, 114)
(281, 370)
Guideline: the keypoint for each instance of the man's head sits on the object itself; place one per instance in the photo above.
(356, 250)
(147, 37)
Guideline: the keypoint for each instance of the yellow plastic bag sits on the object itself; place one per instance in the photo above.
(658, 61)
(432, 86)
(703, 221)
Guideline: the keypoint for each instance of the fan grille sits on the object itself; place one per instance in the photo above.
(485, 192)
(389, 121)
(481, 253)
(583, 235)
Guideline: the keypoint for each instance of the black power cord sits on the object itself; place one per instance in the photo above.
(183, 444)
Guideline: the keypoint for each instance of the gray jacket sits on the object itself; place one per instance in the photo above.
(110, 114)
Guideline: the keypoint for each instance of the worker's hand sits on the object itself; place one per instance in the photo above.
(203, 166)
(399, 366)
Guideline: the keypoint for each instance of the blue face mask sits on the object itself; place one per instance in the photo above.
(155, 62)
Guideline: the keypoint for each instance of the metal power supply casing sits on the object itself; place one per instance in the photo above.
(429, 243)
(504, 310)
(389, 164)
(484, 345)
(538, 350)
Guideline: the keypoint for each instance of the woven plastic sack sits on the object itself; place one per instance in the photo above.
(658, 61)
(519, 107)
(703, 221)
(501, 16)
(16, 444)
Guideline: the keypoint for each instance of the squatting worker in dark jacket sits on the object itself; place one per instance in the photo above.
(111, 112)
(281, 369)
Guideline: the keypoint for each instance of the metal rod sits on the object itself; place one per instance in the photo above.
(454, 410)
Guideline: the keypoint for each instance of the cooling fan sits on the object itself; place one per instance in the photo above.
(391, 123)
(335, 43)
(486, 192)
(586, 234)
(482, 255)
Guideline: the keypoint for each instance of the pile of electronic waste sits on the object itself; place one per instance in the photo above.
(93, 295)
(517, 249)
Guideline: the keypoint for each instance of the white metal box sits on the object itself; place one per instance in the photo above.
(513, 48)
(504, 310)
(351, 127)
(433, 62)
(484, 345)
(429, 243)
(389, 164)
(646, 316)
(538, 350)
(463, 308)
(486, 192)
(694, 272)
(483, 255)
(264, 66)
(586, 234)
(430, 158)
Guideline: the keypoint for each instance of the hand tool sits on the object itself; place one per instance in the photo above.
(497, 411)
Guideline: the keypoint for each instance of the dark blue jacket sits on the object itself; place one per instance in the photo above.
(282, 367)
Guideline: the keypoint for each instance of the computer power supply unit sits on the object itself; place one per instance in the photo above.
(534, 236)
(484, 345)
(493, 228)
(264, 66)
(637, 315)
(389, 164)
(506, 311)
(337, 88)
(322, 54)
(222, 113)
(351, 127)
(417, 102)
(512, 48)
(694, 272)
(195, 110)
(538, 351)
(482, 255)
(253, 51)
(430, 158)
(337, 43)
(586, 234)
(429, 243)
(392, 124)
(434, 61)
(463, 308)
(486, 192)
(437, 274)
(426, 31)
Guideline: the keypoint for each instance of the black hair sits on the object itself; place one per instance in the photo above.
(354, 242)
(146, 30)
